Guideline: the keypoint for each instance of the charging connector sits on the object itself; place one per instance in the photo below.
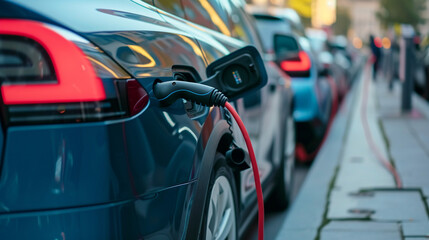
(169, 92)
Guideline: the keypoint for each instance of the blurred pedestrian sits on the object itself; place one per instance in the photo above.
(376, 54)
(417, 40)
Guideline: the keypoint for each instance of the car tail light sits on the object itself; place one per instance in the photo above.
(137, 97)
(298, 66)
(49, 74)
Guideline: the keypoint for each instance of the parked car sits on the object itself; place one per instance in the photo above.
(346, 56)
(333, 62)
(312, 93)
(288, 15)
(88, 151)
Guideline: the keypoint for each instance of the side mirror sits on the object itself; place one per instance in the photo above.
(238, 73)
(286, 47)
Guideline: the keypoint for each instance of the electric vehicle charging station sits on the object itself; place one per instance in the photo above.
(235, 75)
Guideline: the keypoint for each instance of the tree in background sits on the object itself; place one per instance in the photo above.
(401, 11)
(342, 25)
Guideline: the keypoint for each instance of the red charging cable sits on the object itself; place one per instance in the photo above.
(254, 168)
(364, 118)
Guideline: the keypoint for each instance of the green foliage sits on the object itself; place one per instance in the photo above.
(401, 11)
(343, 22)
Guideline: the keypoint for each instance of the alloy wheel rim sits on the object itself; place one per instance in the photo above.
(221, 220)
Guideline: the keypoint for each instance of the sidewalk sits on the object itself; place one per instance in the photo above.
(349, 193)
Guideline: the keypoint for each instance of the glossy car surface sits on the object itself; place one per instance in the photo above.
(145, 174)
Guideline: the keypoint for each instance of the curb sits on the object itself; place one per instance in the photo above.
(306, 214)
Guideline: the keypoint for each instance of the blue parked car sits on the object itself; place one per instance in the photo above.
(312, 91)
(87, 150)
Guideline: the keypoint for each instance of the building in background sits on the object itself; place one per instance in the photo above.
(424, 29)
(315, 13)
(323, 13)
(302, 7)
(319, 13)
(363, 17)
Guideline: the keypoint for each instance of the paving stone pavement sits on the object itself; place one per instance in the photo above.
(361, 200)
(412, 229)
(379, 206)
(408, 137)
(361, 230)
(360, 170)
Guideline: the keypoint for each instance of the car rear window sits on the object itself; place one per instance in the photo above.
(268, 26)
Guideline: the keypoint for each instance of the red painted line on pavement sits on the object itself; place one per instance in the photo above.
(367, 131)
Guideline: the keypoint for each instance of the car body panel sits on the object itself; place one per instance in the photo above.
(65, 153)
(66, 171)
(158, 216)
(94, 12)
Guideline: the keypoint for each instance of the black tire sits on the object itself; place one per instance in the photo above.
(221, 174)
(282, 193)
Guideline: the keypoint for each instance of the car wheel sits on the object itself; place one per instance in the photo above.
(284, 181)
(220, 214)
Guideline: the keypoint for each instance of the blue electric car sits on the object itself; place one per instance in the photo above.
(87, 150)
(312, 92)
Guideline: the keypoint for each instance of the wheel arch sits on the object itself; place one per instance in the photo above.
(219, 141)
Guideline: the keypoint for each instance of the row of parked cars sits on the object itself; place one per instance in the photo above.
(88, 151)
(320, 68)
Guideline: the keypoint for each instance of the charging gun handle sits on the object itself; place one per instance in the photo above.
(169, 92)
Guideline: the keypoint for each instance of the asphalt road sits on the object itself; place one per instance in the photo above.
(274, 220)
